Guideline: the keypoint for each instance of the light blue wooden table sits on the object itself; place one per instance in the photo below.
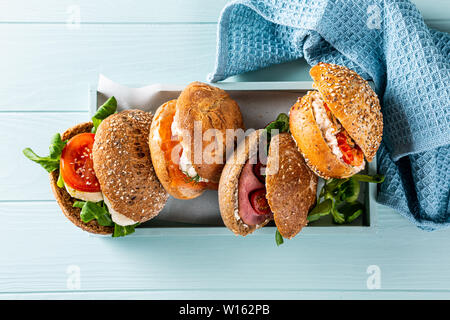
(46, 67)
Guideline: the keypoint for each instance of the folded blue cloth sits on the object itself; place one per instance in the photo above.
(385, 41)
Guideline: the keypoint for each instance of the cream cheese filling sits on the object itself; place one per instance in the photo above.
(326, 127)
(118, 218)
(83, 195)
(184, 163)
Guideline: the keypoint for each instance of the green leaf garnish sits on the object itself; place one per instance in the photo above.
(51, 162)
(190, 179)
(322, 209)
(97, 211)
(278, 238)
(78, 204)
(349, 191)
(351, 211)
(338, 197)
(377, 178)
(281, 124)
(122, 231)
(105, 110)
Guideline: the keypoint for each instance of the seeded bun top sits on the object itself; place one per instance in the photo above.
(215, 109)
(353, 102)
(124, 168)
(64, 199)
(291, 185)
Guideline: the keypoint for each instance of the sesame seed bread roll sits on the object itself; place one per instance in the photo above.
(124, 168)
(229, 182)
(338, 125)
(311, 143)
(65, 200)
(353, 102)
(292, 188)
(214, 109)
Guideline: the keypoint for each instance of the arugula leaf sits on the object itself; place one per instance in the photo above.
(351, 211)
(78, 204)
(377, 178)
(340, 198)
(281, 124)
(98, 211)
(51, 162)
(105, 110)
(278, 238)
(322, 209)
(122, 231)
(56, 146)
(47, 163)
(349, 191)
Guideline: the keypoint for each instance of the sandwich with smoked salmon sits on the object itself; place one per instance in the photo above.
(101, 172)
(188, 139)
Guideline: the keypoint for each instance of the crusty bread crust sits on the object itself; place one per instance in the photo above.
(291, 185)
(229, 182)
(215, 109)
(353, 102)
(158, 159)
(64, 199)
(311, 143)
(124, 168)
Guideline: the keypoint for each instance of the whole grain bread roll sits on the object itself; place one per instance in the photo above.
(124, 168)
(64, 199)
(291, 185)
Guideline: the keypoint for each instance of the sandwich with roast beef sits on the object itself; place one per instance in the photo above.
(188, 159)
(101, 173)
(267, 179)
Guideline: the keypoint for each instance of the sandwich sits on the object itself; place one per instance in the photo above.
(338, 126)
(257, 186)
(188, 139)
(101, 172)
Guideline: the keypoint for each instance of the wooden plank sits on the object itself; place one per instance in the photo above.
(141, 11)
(49, 67)
(38, 261)
(20, 178)
(233, 295)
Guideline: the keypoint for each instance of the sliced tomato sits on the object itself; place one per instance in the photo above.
(259, 202)
(77, 167)
(351, 153)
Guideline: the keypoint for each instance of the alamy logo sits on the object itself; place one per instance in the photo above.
(73, 277)
(374, 17)
(374, 279)
(73, 21)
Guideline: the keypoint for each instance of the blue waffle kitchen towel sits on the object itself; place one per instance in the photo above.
(385, 41)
